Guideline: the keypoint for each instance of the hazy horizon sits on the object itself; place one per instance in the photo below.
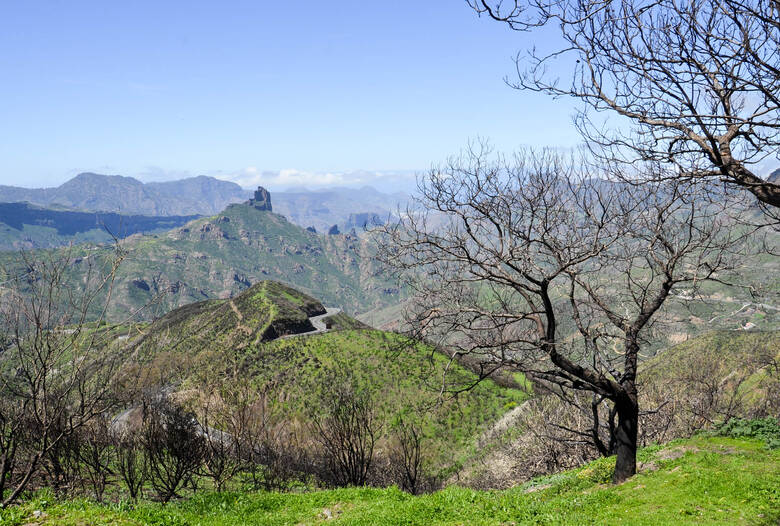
(389, 182)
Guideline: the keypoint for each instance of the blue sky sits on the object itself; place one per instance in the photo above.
(280, 93)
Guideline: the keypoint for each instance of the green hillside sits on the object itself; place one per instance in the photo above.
(264, 312)
(702, 481)
(205, 349)
(727, 350)
(26, 226)
(220, 256)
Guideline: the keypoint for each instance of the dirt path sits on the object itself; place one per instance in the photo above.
(240, 317)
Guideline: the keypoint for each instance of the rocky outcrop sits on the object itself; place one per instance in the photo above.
(334, 230)
(363, 220)
(262, 199)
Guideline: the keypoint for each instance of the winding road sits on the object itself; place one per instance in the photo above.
(318, 322)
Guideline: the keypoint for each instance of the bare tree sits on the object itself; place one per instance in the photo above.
(131, 462)
(696, 82)
(347, 428)
(56, 367)
(173, 446)
(536, 264)
(243, 429)
(225, 419)
(96, 454)
(407, 457)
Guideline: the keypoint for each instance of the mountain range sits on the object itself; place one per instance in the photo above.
(114, 193)
(346, 207)
(27, 226)
(202, 195)
(172, 261)
(221, 255)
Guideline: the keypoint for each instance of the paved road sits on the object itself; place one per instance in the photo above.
(318, 322)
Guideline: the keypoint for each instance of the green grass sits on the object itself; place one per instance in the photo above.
(699, 481)
(194, 345)
(401, 378)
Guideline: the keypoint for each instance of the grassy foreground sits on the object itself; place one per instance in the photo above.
(698, 481)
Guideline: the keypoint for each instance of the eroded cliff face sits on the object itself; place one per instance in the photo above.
(261, 200)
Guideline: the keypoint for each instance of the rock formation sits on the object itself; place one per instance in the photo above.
(262, 199)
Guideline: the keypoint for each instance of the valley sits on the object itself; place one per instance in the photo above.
(261, 334)
(390, 263)
(92, 207)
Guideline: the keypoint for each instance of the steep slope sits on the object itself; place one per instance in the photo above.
(113, 193)
(220, 256)
(694, 385)
(712, 378)
(26, 226)
(264, 312)
(262, 336)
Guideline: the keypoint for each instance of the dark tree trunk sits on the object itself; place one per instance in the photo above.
(626, 437)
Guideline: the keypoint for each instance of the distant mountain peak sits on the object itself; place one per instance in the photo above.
(93, 192)
(93, 177)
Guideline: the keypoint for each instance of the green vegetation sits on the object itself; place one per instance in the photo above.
(223, 255)
(217, 345)
(400, 377)
(766, 429)
(728, 349)
(700, 481)
(265, 311)
(27, 226)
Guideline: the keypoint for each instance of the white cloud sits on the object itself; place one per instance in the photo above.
(251, 177)
(288, 178)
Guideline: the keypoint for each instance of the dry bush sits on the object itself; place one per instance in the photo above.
(131, 462)
(96, 455)
(346, 426)
(173, 446)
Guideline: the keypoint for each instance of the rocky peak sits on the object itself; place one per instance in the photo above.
(262, 199)
(363, 220)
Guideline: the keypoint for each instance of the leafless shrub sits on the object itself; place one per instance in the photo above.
(173, 446)
(56, 365)
(346, 427)
(96, 454)
(407, 457)
(131, 462)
